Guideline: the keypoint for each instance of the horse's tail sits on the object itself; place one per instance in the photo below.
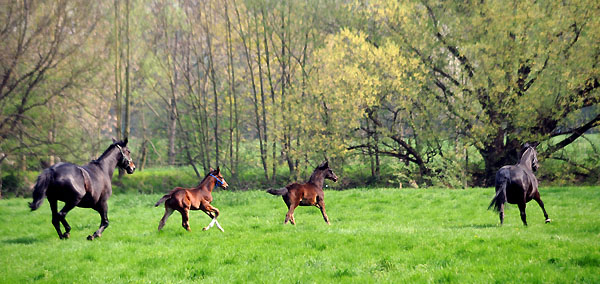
(280, 191)
(502, 179)
(163, 199)
(39, 191)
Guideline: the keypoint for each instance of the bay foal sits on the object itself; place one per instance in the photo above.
(309, 193)
(198, 198)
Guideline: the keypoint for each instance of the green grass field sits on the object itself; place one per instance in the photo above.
(377, 235)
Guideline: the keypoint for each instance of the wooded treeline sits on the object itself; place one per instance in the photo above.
(437, 90)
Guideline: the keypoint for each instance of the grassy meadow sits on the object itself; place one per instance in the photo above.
(377, 235)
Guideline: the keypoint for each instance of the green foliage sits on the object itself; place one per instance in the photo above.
(155, 180)
(383, 235)
(272, 88)
(13, 184)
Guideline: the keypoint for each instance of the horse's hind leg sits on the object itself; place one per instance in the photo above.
(538, 199)
(501, 213)
(290, 214)
(55, 217)
(62, 218)
(168, 212)
(102, 210)
(523, 215)
(185, 219)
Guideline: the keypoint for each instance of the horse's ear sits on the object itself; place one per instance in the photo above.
(114, 140)
(324, 165)
(218, 170)
(535, 144)
(125, 141)
(210, 169)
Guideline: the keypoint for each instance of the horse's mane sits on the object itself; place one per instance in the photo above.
(113, 145)
(525, 152)
(205, 177)
(316, 172)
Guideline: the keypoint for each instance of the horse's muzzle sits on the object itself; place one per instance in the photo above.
(130, 168)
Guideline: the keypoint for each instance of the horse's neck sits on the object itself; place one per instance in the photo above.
(525, 160)
(317, 179)
(108, 162)
(208, 184)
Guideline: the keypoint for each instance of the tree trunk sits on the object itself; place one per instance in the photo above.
(172, 104)
(144, 146)
(272, 92)
(126, 122)
(262, 90)
(233, 109)
(254, 93)
(117, 70)
(498, 154)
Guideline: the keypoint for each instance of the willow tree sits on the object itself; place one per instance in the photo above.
(372, 101)
(507, 72)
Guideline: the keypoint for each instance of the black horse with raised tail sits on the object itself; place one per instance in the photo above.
(87, 186)
(517, 184)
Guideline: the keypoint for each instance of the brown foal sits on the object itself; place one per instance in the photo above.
(306, 194)
(198, 198)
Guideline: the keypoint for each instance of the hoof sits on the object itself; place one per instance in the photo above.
(205, 229)
(548, 220)
(66, 236)
(90, 238)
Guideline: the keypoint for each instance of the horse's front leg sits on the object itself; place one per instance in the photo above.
(212, 212)
(103, 211)
(321, 205)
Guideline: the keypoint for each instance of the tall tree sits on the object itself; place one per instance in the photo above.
(41, 41)
(507, 73)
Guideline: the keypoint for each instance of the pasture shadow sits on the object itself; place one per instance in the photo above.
(21, 241)
(475, 226)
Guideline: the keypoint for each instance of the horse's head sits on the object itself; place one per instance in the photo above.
(219, 180)
(125, 161)
(329, 174)
(529, 150)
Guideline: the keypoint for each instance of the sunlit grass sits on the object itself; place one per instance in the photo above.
(377, 235)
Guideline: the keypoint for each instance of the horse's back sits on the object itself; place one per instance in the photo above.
(180, 197)
(520, 183)
(64, 178)
(80, 184)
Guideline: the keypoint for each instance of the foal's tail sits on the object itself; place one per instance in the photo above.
(39, 191)
(163, 199)
(502, 179)
(280, 191)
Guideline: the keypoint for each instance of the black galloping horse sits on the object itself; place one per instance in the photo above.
(517, 184)
(86, 186)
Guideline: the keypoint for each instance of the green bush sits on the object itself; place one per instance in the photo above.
(13, 184)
